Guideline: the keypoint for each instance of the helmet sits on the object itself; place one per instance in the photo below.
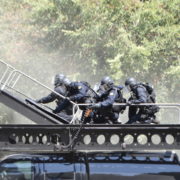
(66, 82)
(59, 79)
(130, 82)
(107, 82)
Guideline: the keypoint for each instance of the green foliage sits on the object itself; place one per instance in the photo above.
(115, 37)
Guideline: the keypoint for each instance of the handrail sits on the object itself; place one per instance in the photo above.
(142, 104)
(164, 105)
(84, 104)
(15, 72)
(34, 80)
(6, 81)
(16, 80)
(7, 64)
(12, 76)
(6, 71)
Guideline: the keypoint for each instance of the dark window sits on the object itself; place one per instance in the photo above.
(134, 171)
(66, 167)
(59, 171)
(17, 170)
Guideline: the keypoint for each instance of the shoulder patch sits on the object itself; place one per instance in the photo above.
(111, 94)
(79, 87)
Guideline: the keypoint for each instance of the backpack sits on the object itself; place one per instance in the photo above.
(86, 84)
(91, 94)
(150, 91)
(119, 99)
(151, 98)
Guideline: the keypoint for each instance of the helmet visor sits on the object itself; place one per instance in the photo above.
(105, 87)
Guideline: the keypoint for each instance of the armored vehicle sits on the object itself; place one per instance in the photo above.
(55, 149)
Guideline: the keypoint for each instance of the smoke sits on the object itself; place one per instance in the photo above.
(17, 49)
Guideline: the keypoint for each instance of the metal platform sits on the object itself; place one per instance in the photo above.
(89, 138)
(29, 109)
(50, 137)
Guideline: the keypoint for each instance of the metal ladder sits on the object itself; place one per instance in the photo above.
(11, 76)
(15, 99)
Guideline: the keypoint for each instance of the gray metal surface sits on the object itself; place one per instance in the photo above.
(91, 138)
(27, 110)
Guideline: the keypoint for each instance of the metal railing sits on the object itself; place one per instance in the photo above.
(15, 72)
(11, 76)
(161, 105)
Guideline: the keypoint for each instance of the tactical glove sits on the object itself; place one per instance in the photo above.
(54, 111)
(38, 101)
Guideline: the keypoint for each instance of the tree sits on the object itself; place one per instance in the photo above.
(93, 38)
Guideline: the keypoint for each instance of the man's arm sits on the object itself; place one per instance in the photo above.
(110, 99)
(50, 98)
(61, 106)
(81, 92)
(141, 96)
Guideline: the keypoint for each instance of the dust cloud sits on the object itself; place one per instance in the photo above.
(18, 50)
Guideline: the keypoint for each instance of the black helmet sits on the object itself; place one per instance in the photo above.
(107, 82)
(66, 82)
(59, 79)
(130, 82)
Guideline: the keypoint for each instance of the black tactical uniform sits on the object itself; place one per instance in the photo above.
(77, 92)
(105, 112)
(143, 114)
(60, 89)
(53, 96)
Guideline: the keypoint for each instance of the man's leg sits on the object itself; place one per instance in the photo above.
(64, 116)
(132, 114)
(149, 115)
